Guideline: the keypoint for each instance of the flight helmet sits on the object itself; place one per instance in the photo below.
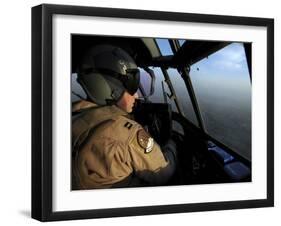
(106, 72)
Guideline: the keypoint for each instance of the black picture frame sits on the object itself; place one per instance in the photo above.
(42, 108)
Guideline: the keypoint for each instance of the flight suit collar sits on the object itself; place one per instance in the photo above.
(83, 105)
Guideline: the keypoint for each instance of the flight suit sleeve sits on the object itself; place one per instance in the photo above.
(148, 161)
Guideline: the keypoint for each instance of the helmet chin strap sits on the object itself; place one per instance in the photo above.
(110, 102)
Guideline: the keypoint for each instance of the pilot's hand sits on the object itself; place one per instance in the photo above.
(171, 144)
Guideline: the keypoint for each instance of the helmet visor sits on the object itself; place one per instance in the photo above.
(132, 80)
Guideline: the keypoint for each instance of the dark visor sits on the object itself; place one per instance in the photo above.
(133, 80)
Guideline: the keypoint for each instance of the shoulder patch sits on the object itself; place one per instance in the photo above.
(145, 141)
(128, 125)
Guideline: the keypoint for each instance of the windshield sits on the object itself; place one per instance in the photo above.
(223, 90)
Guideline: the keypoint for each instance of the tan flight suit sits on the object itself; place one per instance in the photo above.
(109, 147)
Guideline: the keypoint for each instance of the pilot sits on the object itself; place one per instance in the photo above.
(109, 148)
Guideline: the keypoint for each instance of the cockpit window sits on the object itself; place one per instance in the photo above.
(177, 82)
(181, 41)
(223, 89)
(164, 46)
(145, 81)
(182, 95)
(157, 96)
(77, 93)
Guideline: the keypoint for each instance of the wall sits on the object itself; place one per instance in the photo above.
(15, 118)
